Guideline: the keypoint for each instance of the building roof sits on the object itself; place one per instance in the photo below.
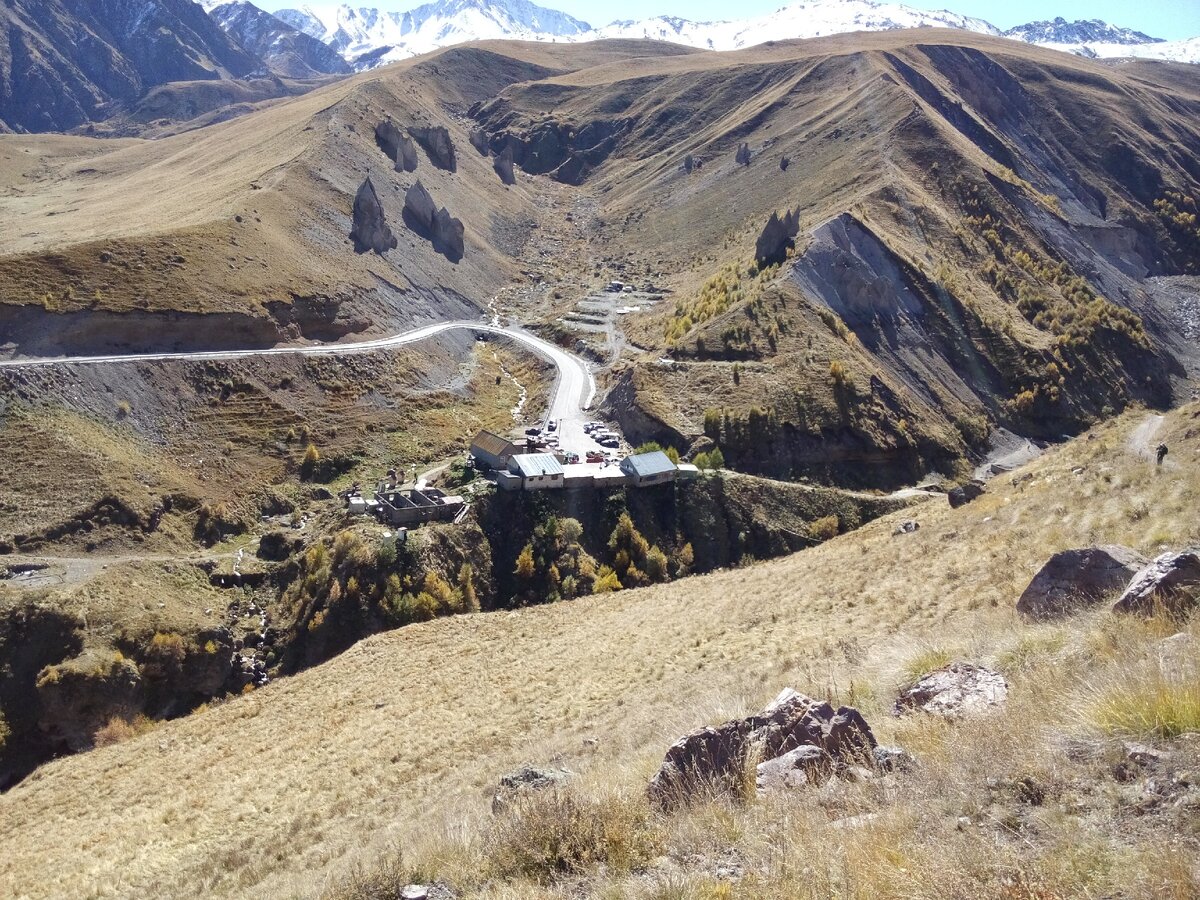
(492, 443)
(647, 465)
(530, 465)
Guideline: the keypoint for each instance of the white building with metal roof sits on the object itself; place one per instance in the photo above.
(536, 471)
(646, 469)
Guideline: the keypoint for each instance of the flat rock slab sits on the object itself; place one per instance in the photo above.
(955, 691)
(1074, 579)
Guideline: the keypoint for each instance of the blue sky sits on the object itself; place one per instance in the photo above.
(1171, 19)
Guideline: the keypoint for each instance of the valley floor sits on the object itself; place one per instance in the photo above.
(398, 742)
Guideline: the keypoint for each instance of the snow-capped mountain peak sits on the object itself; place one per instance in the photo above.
(1082, 31)
(368, 37)
(363, 31)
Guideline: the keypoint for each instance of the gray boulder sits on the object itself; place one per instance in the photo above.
(524, 781)
(955, 691)
(743, 155)
(964, 494)
(370, 230)
(398, 146)
(714, 761)
(1076, 578)
(435, 141)
(777, 237)
(796, 768)
(419, 208)
(479, 140)
(422, 215)
(1171, 582)
(503, 164)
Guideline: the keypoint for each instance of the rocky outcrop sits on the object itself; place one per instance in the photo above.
(422, 216)
(398, 146)
(81, 695)
(370, 230)
(525, 781)
(964, 494)
(1171, 583)
(742, 157)
(777, 238)
(1075, 578)
(435, 141)
(784, 162)
(503, 164)
(479, 140)
(715, 761)
(566, 151)
(955, 691)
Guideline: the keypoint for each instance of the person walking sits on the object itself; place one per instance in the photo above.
(1160, 454)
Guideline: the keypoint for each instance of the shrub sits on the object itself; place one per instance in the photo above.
(824, 528)
(164, 655)
(560, 833)
(606, 581)
(308, 465)
(4, 732)
(119, 729)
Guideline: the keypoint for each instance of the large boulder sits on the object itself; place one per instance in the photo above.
(398, 146)
(503, 164)
(1075, 578)
(435, 140)
(742, 157)
(479, 140)
(419, 208)
(955, 691)
(716, 761)
(1171, 582)
(422, 215)
(448, 235)
(370, 230)
(964, 494)
(777, 237)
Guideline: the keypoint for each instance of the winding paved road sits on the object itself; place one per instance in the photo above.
(574, 390)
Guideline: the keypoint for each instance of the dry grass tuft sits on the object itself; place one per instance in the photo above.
(565, 832)
(1148, 705)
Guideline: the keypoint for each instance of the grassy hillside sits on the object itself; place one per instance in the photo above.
(398, 742)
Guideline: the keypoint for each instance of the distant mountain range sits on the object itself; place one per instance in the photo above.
(367, 37)
(68, 63)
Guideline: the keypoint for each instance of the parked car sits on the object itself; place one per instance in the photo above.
(552, 425)
(609, 442)
(533, 432)
(595, 456)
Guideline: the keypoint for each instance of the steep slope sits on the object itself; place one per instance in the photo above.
(62, 61)
(975, 224)
(399, 742)
(249, 221)
(976, 227)
(286, 50)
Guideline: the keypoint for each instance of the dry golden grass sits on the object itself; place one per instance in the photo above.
(398, 742)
